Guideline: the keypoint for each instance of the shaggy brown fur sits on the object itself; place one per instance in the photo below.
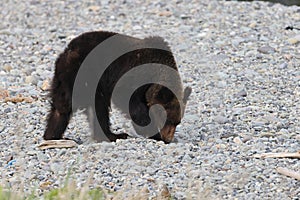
(66, 69)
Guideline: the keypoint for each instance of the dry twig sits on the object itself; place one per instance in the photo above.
(278, 155)
(288, 172)
(48, 144)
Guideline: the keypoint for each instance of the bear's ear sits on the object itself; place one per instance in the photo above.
(187, 93)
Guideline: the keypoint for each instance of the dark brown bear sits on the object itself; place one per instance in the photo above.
(66, 69)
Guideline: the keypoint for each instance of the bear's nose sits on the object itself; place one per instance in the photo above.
(167, 133)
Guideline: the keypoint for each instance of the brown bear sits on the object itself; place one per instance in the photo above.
(144, 51)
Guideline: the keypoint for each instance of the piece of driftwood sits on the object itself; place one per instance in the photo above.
(48, 144)
(3, 94)
(278, 155)
(18, 99)
(288, 172)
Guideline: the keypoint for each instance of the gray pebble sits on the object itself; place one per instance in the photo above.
(266, 49)
(31, 79)
(242, 93)
(283, 65)
(221, 119)
(7, 110)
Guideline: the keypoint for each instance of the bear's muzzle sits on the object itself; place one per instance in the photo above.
(167, 133)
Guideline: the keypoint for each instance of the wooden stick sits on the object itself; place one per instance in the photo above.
(278, 155)
(288, 172)
(48, 144)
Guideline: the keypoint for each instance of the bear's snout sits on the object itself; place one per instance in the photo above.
(167, 133)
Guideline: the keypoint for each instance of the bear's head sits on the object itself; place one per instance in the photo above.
(173, 105)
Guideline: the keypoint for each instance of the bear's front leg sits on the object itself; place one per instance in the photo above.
(56, 124)
(61, 108)
(100, 121)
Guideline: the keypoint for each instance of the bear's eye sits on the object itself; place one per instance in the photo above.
(165, 96)
(175, 123)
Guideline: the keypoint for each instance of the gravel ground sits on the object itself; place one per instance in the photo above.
(240, 61)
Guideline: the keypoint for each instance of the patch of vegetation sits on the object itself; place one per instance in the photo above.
(67, 192)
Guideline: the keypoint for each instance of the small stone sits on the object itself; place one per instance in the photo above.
(227, 135)
(165, 13)
(191, 118)
(238, 111)
(40, 177)
(283, 65)
(46, 85)
(145, 190)
(94, 8)
(55, 167)
(284, 131)
(246, 138)
(294, 40)
(237, 140)
(221, 119)
(31, 153)
(7, 110)
(42, 157)
(7, 68)
(185, 17)
(164, 192)
(219, 57)
(252, 25)
(258, 123)
(62, 37)
(107, 146)
(242, 93)
(31, 80)
(266, 49)
(217, 103)
(221, 84)
(287, 56)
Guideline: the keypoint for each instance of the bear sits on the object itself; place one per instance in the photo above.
(67, 70)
